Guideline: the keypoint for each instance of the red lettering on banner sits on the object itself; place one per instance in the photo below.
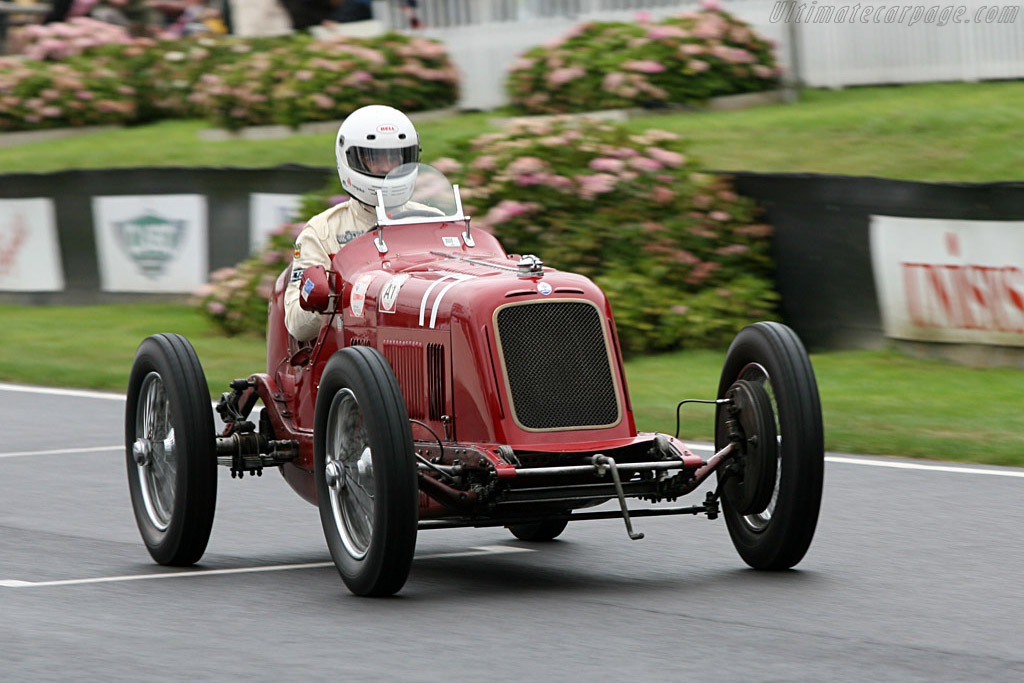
(1016, 293)
(9, 246)
(953, 243)
(964, 297)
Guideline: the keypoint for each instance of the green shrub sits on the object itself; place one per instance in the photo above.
(233, 82)
(78, 92)
(165, 73)
(681, 60)
(679, 254)
(318, 80)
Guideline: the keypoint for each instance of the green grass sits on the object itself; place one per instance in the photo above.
(873, 402)
(967, 132)
(93, 346)
(878, 402)
(177, 143)
(959, 132)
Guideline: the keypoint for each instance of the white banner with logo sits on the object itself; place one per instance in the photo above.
(29, 250)
(267, 213)
(950, 280)
(151, 243)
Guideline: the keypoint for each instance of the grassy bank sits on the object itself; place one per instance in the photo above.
(873, 402)
(964, 132)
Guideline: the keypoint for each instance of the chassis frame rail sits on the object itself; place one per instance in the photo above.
(710, 508)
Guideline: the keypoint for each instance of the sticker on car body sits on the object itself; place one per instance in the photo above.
(389, 293)
(450, 240)
(358, 298)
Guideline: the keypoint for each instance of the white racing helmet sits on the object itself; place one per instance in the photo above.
(371, 142)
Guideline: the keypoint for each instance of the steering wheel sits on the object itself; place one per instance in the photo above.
(412, 213)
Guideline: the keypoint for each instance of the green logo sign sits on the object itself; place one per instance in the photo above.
(151, 241)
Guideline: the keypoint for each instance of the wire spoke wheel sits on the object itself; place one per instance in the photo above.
(348, 471)
(773, 513)
(155, 453)
(170, 450)
(365, 471)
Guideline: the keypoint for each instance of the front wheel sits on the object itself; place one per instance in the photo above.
(170, 450)
(772, 522)
(365, 471)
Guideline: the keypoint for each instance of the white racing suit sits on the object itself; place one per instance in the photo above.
(324, 235)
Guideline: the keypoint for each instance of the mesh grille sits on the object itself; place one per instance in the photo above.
(557, 365)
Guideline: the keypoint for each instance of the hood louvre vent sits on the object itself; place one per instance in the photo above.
(406, 359)
(435, 381)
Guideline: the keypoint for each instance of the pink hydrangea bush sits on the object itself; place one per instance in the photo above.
(165, 72)
(40, 95)
(231, 81)
(59, 41)
(681, 256)
(319, 80)
(682, 60)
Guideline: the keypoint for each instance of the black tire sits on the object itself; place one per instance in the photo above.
(362, 439)
(548, 530)
(171, 450)
(772, 355)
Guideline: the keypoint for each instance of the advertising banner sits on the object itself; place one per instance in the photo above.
(29, 251)
(267, 213)
(151, 243)
(950, 280)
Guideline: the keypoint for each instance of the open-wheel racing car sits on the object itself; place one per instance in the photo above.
(454, 385)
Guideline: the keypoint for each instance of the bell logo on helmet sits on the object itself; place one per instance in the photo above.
(387, 128)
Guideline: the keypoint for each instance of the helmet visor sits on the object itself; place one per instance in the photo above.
(379, 162)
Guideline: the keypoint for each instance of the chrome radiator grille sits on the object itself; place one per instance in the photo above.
(557, 365)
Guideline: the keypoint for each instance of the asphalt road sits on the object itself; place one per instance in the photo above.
(914, 575)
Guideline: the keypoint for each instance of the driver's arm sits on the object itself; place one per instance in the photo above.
(309, 251)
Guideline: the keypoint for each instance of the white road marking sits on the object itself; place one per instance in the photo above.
(901, 465)
(898, 464)
(894, 464)
(54, 391)
(845, 460)
(15, 583)
(63, 451)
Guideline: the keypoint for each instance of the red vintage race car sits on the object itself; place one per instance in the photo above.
(455, 385)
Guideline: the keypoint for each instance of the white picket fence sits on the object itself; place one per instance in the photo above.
(485, 36)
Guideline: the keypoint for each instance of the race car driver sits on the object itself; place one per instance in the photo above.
(371, 142)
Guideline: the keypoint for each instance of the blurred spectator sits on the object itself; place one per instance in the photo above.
(307, 13)
(352, 10)
(59, 10)
(136, 15)
(408, 8)
(189, 18)
(258, 17)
